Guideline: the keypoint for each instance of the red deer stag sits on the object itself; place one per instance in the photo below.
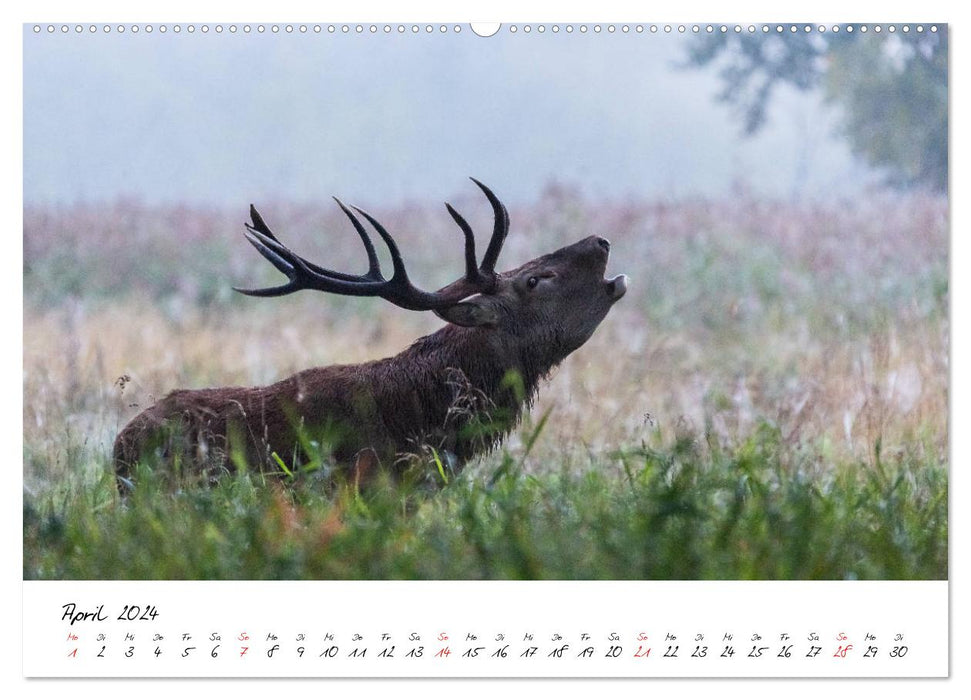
(450, 390)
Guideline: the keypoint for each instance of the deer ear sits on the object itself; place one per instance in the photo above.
(476, 311)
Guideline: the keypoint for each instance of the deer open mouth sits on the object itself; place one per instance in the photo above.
(616, 287)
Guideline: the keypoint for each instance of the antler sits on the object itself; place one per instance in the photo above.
(398, 290)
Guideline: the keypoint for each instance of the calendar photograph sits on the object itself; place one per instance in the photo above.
(404, 302)
(365, 305)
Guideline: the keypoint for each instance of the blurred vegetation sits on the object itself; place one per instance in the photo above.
(770, 399)
(892, 88)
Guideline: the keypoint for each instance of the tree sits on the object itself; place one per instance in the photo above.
(892, 89)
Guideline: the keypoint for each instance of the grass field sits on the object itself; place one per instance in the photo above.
(770, 399)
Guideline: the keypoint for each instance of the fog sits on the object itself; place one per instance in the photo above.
(386, 118)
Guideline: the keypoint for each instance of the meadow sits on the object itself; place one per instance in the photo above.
(769, 401)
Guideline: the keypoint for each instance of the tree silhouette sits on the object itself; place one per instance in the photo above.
(891, 88)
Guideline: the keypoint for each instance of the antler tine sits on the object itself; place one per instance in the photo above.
(258, 223)
(259, 228)
(499, 230)
(374, 267)
(396, 260)
(399, 290)
(471, 266)
(278, 262)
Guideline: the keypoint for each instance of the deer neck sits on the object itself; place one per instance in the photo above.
(487, 359)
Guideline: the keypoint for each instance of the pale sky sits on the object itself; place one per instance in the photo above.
(384, 118)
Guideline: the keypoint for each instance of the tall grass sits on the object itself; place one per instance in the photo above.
(770, 400)
(651, 512)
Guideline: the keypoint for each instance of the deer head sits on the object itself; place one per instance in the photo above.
(554, 302)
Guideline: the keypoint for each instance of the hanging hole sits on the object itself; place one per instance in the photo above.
(485, 29)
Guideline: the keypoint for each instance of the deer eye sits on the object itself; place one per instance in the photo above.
(532, 282)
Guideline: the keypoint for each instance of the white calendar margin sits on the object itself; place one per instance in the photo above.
(896, 10)
(914, 609)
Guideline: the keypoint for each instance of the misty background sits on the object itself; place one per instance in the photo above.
(226, 119)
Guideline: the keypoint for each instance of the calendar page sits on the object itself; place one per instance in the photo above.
(547, 349)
